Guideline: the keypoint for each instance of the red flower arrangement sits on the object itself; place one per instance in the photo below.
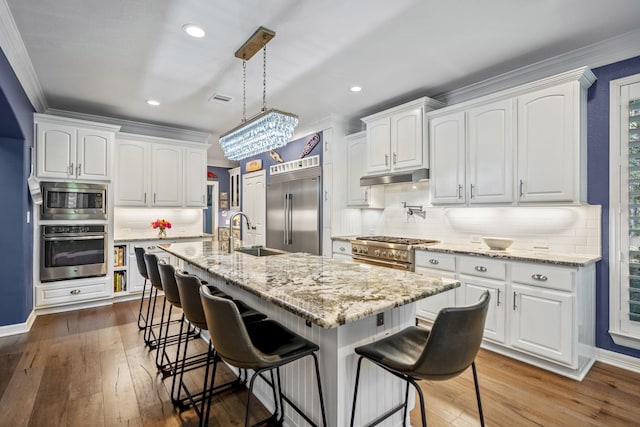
(161, 224)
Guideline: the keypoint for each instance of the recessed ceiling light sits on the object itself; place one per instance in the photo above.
(193, 30)
(356, 88)
(153, 102)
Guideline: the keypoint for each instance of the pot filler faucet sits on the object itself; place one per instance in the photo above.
(240, 214)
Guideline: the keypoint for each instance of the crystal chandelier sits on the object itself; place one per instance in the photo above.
(269, 129)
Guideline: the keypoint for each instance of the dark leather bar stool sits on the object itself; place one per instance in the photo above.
(153, 339)
(142, 269)
(441, 353)
(189, 291)
(260, 346)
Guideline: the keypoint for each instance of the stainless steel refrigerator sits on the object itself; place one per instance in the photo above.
(293, 211)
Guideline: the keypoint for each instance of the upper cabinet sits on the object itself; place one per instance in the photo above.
(522, 145)
(395, 137)
(73, 149)
(156, 172)
(474, 155)
(357, 196)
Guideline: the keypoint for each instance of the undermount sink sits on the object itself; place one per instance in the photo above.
(260, 251)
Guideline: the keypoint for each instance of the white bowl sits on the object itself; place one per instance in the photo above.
(497, 243)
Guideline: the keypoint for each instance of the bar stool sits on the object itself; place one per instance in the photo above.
(151, 339)
(189, 290)
(142, 269)
(260, 346)
(438, 354)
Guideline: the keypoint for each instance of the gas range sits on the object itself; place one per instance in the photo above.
(388, 251)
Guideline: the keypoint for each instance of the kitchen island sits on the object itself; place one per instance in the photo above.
(338, 305)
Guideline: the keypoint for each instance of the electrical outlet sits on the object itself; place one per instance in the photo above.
(380, 319)
(540, 245)
(476, 238)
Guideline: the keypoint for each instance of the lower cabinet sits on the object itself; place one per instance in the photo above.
(539, 313)
(341, 250)
(72, 291)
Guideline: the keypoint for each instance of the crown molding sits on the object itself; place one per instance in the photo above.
(133, 127)
(596, 55)
(16, 53)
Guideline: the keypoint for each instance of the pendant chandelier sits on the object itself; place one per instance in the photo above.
(269, 129)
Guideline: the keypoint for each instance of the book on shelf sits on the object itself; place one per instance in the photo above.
(119, 281)
(118, 256)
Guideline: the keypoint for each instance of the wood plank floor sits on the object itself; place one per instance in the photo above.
(90, 367)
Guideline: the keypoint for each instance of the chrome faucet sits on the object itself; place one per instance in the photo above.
(240, 214)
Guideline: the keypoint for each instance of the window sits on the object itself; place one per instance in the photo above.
(624, 281)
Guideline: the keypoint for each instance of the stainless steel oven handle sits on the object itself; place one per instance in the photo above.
(58, 239)
(363, 260)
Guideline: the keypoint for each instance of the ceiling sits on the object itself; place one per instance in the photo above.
(108, 57)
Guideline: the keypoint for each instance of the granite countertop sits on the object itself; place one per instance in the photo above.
(321, 290)
(571, 260)
(155, 238)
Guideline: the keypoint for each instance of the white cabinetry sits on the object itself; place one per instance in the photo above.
(550, 160)
(357, 196)
(72, 291)
(341, 250)
(395, 137)
(234, 188)
(539, 313)
(482, 151)
(435, 264)
(73, 149)
(149, 172)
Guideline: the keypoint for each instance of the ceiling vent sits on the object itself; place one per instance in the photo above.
(219, 98)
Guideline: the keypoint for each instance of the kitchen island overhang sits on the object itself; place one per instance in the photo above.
(332, 303)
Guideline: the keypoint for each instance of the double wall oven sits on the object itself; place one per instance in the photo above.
(73, 231)
(387, 251)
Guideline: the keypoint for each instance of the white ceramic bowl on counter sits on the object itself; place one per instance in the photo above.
(497, 243)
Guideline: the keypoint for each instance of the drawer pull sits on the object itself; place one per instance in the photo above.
(498, 299)
(540, 277)
(481, 268)
(75, 292)
(434, 261)
(515, 295)
(342, 249)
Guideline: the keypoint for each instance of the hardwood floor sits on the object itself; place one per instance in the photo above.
(90, 367)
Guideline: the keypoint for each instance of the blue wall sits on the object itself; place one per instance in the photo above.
(598, 184)
(16, 236)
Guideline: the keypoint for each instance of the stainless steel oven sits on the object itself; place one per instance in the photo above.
(72, 251)
(73, 201)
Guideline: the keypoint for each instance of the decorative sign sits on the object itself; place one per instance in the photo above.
(253, 165)
(275, 156)
(310, 145)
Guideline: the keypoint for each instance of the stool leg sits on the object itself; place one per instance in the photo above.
(324, 415)
(148, 330)
(175, 398)
(406, 404)
(355, 392)
(421, 396)
(140, 318)
(161, 352)
(213, 381)
(204, 420)
(475, 382)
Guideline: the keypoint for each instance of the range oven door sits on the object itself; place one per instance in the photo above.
(72, 252)
(383, 263)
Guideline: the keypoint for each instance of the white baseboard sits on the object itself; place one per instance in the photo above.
(619, 360)
(18, 328)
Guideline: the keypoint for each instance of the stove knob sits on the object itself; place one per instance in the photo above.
(395, 255)
(365, 250)
(377, 252)
(404, 255)
(384, 254)
(354, 249)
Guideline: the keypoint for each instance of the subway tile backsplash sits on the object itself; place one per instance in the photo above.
(564, 229)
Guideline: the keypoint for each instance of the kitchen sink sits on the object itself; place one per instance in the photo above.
(260, 251)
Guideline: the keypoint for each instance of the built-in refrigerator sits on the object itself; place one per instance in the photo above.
(293, 211)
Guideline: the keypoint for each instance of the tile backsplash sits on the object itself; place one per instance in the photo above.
(564, 229)
(135, 222)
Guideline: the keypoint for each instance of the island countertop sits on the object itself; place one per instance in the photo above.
(322, 290)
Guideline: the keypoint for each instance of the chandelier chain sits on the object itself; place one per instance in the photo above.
(244, 90)
(264, 73)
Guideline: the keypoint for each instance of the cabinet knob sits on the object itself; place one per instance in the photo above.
(459, 191)
(481, 268)
(471, 191)
(79, 170)
(342, 249)
(540, 277)
(75, 292)
(395, 158)
(434, 261)
(521, 188)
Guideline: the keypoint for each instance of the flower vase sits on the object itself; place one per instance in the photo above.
(162, 234)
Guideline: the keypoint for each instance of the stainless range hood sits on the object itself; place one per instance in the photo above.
(395, 178)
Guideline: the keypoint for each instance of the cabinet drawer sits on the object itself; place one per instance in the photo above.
(482, 267)
(435, 260)
(54, 293)
(542, 275)
(341, 247)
